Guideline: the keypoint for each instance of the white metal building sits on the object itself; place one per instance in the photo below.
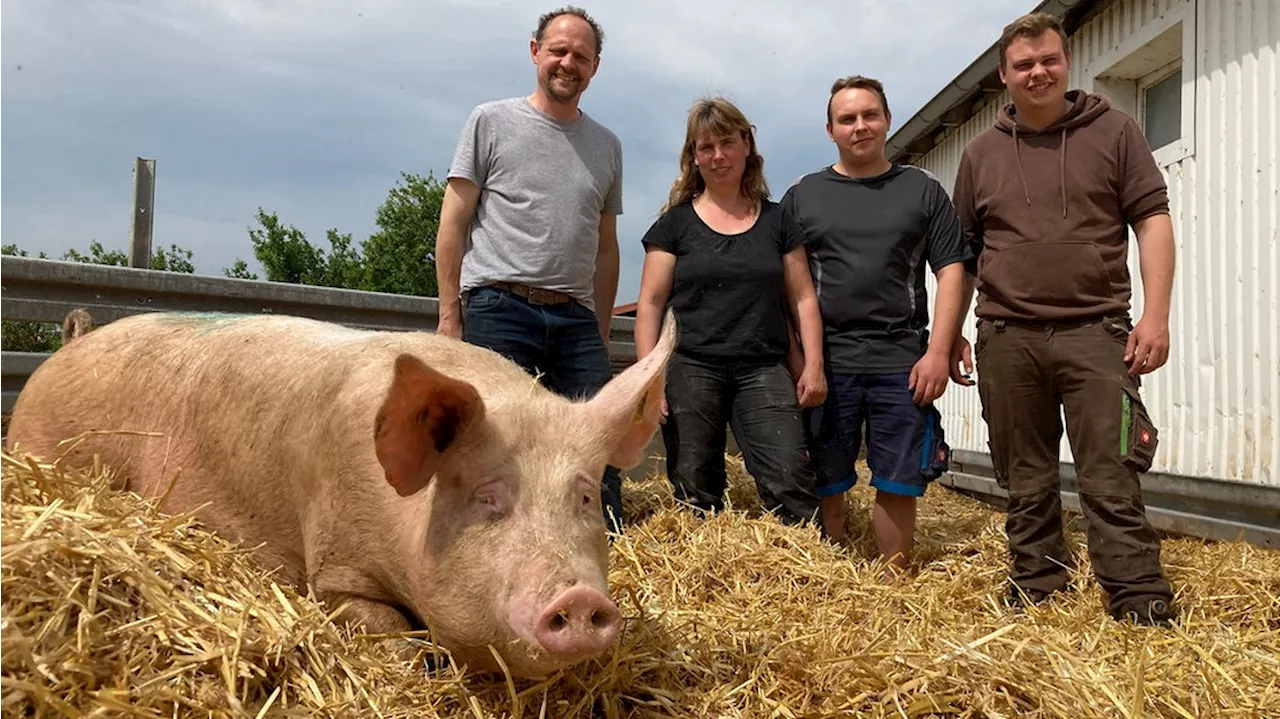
(1200, 76)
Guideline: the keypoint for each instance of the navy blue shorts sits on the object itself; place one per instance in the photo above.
(906, 449)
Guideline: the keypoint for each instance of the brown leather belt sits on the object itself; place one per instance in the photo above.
(535, 295)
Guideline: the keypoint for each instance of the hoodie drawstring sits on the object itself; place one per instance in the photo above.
(1062, 168)
(1018, 158)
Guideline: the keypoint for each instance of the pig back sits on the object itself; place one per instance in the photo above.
(260, 417)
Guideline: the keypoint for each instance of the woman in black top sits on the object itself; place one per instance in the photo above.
(729, 262)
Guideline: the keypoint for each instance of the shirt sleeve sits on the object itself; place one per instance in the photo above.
(660, 234)
(613, 200)
(473, 154)
(970, 223)
(1142, 188)
(944, 241)
(791, 235)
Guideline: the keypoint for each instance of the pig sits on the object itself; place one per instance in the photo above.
(77, 322)
(423, 480)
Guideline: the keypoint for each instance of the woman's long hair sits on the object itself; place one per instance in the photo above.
(717, 117)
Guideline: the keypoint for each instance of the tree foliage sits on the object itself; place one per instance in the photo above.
(174, 259)
(399, 258)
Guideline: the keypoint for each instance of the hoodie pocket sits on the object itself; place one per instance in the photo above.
(1049, 274)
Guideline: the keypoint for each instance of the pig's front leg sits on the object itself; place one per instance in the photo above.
(371, 616)
(368, 603)
(380, 618)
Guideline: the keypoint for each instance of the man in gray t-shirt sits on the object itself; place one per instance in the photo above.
(527, 251)
(547, 184)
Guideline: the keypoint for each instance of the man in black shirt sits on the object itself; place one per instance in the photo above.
(870, 226)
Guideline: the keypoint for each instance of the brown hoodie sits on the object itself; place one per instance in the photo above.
(1047, 212)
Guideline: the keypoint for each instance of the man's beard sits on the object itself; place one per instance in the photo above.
(550, 87)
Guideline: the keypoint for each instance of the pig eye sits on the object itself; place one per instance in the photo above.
(588, 492)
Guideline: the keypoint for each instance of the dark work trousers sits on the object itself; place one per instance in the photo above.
(759, 404)
(1026, 372)
(562, 342)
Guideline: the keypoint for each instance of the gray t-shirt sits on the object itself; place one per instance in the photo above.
(544, 185)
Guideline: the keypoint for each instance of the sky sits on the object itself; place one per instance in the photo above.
(312, 108)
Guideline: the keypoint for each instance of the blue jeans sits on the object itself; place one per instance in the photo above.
(560, 341)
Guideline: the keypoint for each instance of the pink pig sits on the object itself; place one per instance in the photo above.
(421, 479)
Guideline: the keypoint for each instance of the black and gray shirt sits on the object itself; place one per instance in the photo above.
(868, 240)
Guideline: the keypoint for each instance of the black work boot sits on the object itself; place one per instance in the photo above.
(1146, 612)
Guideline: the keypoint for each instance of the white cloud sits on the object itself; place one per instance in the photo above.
(312, 108)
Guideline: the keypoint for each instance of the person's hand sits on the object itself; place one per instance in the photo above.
(811, 388)
(662, 418)
(929, 378)
(961, 354)
(449, 326)
(1148, 346)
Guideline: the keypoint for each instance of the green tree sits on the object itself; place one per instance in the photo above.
(400, 256)
(288, 256)
(98, 256)
(174, 259)
(343, 267)
(240, 271)
(284, 252)
(13, 249)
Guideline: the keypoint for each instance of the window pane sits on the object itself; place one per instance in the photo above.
(1163, 120)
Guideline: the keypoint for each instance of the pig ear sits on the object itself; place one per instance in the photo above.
(630, 406)
(424, 414)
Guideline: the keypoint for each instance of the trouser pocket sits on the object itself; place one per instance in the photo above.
(936, 459)
(1138, 436)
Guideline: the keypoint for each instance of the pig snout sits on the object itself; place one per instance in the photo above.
(580, 623)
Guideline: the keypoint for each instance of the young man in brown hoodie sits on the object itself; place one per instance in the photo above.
(1046, 198)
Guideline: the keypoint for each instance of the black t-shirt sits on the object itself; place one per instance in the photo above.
(728, 293)
(868, 240)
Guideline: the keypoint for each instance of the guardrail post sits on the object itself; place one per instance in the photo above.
(144, 204)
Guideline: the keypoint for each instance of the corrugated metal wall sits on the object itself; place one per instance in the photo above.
(1218, 398)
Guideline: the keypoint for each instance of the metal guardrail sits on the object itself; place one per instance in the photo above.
(1196, 506)
(39, 290)
(15, 368)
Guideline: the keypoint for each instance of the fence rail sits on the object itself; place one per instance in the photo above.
(37, 290)
(1195, 506)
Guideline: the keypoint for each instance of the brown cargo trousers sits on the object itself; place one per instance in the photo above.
(1026, 371)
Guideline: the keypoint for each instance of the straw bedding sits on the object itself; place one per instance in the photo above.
(111, 609)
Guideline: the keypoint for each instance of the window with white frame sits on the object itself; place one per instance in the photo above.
(1150, 75)
(1160, 106)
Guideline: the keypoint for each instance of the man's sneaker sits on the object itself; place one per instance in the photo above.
(1146, 612)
